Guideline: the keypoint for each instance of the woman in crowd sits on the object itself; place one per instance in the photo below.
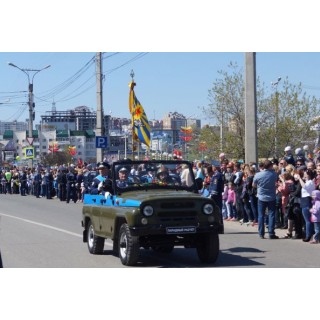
(285, 186)
(308, 186)
(293, 209)
(247, 179)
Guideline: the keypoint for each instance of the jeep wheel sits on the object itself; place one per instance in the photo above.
(163, 249)
(129, 248)
(208, 247)
(95, 243)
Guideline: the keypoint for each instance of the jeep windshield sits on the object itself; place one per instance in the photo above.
(155, 174)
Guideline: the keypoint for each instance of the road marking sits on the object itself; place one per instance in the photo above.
(42, 225)
(47, 226)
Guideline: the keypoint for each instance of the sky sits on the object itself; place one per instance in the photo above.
(166, 81)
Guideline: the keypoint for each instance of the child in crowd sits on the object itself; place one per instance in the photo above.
(83, 191)
(231, 203)
(315, 215)
(224, 202)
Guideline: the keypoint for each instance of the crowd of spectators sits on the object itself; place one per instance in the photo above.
(273, 194)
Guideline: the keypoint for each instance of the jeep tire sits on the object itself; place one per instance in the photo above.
(129, 248)
(208, 247)
(95, 243)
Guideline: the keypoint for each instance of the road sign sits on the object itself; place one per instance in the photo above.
(30, 141)
(101, 142)
(29, 152)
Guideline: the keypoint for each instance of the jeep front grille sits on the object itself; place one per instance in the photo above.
(177, 205)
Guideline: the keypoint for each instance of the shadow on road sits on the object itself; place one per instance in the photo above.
(188, 258)
(1, 265)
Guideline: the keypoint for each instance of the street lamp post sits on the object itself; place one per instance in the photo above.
(275, 85)
(28, 73)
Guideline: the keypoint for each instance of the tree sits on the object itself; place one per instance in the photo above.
(295, 117)
(54, 158)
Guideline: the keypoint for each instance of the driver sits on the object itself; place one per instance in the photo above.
(122, 182)
(163, 176)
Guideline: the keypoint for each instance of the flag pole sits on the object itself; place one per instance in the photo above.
(132, 112)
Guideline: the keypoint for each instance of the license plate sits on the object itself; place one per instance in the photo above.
(179, 230)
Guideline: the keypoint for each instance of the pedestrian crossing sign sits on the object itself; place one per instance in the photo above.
(29, 153)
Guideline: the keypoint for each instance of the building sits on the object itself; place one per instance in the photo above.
(12, 125)
(81, 119)
(15, 142)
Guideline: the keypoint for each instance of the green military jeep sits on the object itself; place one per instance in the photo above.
(152, 205)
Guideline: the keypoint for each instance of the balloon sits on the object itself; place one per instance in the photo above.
(18, 158)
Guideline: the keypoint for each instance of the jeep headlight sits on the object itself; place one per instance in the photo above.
(208, 208)
(147, 211)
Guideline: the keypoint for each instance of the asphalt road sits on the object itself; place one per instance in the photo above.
(41, 233)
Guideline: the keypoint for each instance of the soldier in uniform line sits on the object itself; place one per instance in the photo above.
(49, 183)
(71, 185)
(62, 183)
(37, 183)
(88, 176)
(23, 182)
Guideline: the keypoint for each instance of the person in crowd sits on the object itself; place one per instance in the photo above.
(208, 173)
(200, 171)
(55, 183)
(290, 169)
(293, 209)
(252, 192)
(237, 181)
(265, 182)
(8, 177)
(282, 166)
(222, 157)
(310, 165)
(288, 156)
(79, 180)
(15, 182)
(134, 170)
(246, 186)
(308, 186)
(300, 155)
(186, 179)
(43, 192)
(102, 182)
(228, 176)
(224, 201)
(223, 167)
(315, 215)
(299, 163)
(3, 188)
(317, 178)
(216, 185)
(231, 203)
(83, 191)
(285, 186)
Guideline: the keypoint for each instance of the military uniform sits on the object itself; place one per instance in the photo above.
(71, 186)
(102, 182)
